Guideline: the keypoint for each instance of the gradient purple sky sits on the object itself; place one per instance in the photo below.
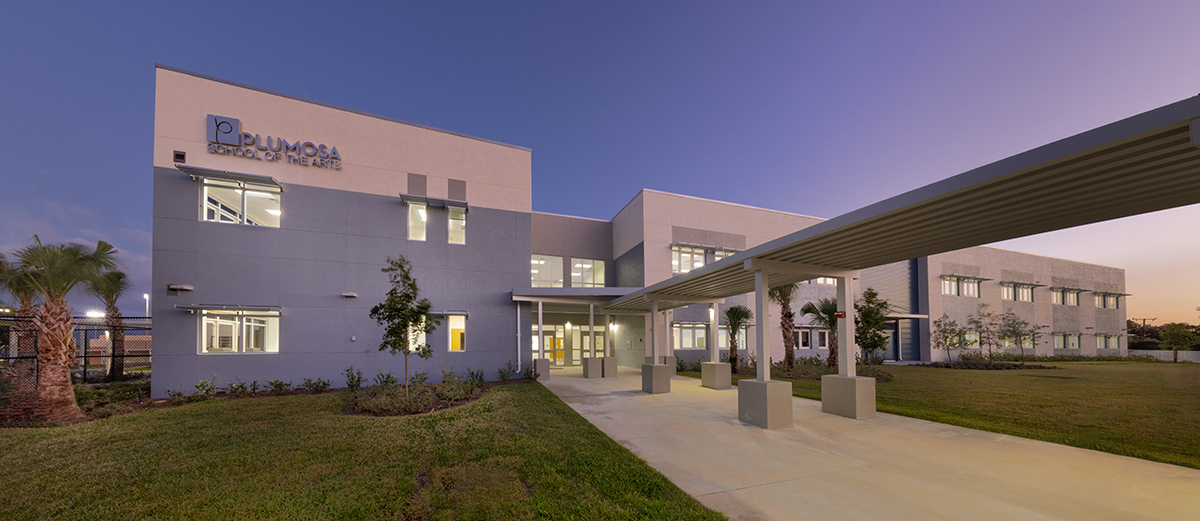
(814, 108)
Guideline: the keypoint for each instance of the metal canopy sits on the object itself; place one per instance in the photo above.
(249, 310)
(433, 202)
(1141, 164)
(241, 179)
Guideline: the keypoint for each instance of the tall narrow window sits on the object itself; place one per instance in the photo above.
(1056, 296)
(418, 215)
(1112, 301)
(458, 332)
(1070, 298)
(587, 273)
(458, 225)
(545, 271)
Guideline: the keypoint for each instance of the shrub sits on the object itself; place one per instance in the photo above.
(83, 394)
(110, 409)
(393, 400)
(386, 380)
(319, 385)
(507, 372)
(418, 378)
(531, 374)
(453, 388)
(239, 388)
(279, 387)
(354, 379)
(206, 388)
(475, 379)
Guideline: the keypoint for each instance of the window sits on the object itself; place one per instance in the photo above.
(689, 335)
(238, 332)
(971, 339)
(805, 337)
(458, 225)
(241, 203)
(417, 217)
(949, 285)
(723, 336)
(458, 333)
(823, 338)
(686, 258)
(1068, 297)
(1066, 340)
(1114, 341)
(1073, 341)
(722, 253)
(969, 287)
(587, 273)
(1104, 300)
(1024, 293)
(1008, 292)
(829, 281)
(546, 271)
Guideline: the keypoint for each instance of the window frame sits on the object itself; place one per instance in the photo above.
(415, 208)
(451, 318)
(243, 190)
(270, 327)
(450, 219)
(546, 263)
(596, 268)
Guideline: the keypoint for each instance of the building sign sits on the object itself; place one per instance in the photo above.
(225, 137)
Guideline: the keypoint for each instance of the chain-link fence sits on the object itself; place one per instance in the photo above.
(103, 351)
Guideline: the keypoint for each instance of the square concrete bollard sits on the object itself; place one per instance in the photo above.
(716, 375)
(593, 367)
(610, 366)
(669, 361)
(542, 367)
(656, 378)
(849, 396)
(765, 404)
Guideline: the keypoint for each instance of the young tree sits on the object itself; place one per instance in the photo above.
(55, 269)
(870, 318)
(987, 324)
(108, 287)
(784, 295)
(824, 313)
(736, 317)
(404, 315)
(1178, 336)
(1015, 330)
(947, 336)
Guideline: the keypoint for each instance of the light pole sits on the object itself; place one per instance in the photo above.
(147, 297)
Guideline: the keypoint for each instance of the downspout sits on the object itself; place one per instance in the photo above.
(518, 337)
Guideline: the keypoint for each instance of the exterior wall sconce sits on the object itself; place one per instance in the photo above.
(180, 287)
(350, 294)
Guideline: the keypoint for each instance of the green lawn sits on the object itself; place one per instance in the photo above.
(516, 453)
(1145, 410)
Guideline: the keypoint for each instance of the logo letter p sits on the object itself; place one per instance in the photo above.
(223, 130)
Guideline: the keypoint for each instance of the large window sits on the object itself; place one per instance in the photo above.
(689, 335)
(1066, 340)
(1014, 291)
(545, 271)
(458, 225)
(812, 338)
(241, 203)
(686, 258)
(418, 215)
(949, 285)
(458, 332)
(828, 281)
(238, 332)
(587, 273)
(971, 339)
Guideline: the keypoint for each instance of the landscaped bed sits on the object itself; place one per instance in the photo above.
(1145, 410)
(515, 452)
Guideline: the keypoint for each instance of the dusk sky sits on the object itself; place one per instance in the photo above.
(817, 108)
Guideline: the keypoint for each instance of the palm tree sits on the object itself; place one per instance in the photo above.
(55, 269)
(13, 279)
(784, 295)
(824, 313)
(108, 287)
(736, 317)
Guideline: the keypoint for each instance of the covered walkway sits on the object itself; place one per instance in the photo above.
(885, 467)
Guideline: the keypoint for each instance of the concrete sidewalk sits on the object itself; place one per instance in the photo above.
(884, 468)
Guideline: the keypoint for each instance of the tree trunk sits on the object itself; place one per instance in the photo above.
(23, 373)
(733, 361)
(787, 324)
(832, 361)
(117, 336)
(56, 355)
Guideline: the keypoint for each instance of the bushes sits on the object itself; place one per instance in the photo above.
(388, 398)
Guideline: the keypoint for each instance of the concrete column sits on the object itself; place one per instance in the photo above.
(542, 364)
(846, 347)
(760, 299)
(541, 342)
(654, 354)
(714, 334)
(609, 338)
(592, 329)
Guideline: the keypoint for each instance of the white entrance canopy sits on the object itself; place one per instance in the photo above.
(1141, 164)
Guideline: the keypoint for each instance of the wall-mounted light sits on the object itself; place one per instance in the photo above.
(350, 294)
(180, 287)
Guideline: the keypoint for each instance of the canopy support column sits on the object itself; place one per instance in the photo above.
(762, 402)
(656, 377)
(541, 365)
(714, 374)
(846, 394)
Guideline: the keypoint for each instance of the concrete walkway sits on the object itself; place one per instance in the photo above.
(884, 468)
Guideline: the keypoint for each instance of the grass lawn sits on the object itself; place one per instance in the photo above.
(1145, 410)
(515, 453)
